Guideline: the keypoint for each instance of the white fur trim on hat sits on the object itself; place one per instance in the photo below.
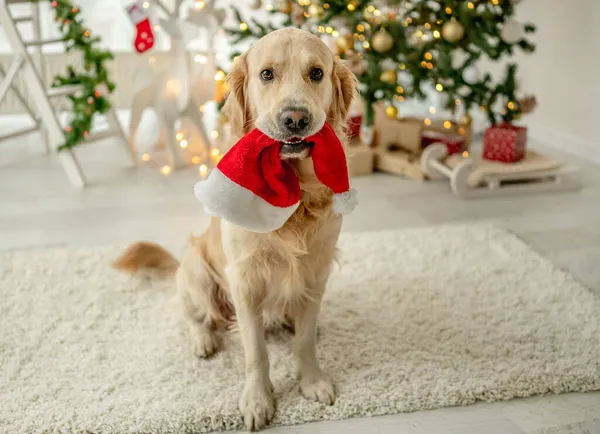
(225, 199)
(344, 203)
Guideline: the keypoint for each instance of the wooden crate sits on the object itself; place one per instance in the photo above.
(406, 134)
(400, 163)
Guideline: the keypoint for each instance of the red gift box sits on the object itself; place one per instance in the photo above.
(353, 127)
(454, 142)
(505, 143)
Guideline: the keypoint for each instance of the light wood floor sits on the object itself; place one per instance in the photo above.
(38, 207)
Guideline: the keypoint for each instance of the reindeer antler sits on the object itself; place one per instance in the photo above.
(202, 17)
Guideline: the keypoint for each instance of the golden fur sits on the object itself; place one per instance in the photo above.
(146, 257)
(228, 275)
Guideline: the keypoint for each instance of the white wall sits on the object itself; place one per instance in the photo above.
(106, 18)
(564, 71)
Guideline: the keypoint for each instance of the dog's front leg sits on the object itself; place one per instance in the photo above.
(256, 403)
(314, 383)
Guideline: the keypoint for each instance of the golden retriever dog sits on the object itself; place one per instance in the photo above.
(287, 84)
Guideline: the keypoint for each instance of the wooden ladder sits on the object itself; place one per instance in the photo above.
(45, 117)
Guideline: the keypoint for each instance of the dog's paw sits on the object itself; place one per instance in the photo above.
(257, 406)
(318, 388)
(205, 344)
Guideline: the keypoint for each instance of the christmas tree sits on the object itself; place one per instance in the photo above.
(399, 49)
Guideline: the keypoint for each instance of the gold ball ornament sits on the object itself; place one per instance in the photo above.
(382, 41)
(344, 43)
(391, 112)
(453, 31)
(285, 6)
(369, 15)
(466, 120)
(388, 76)
(316, 11)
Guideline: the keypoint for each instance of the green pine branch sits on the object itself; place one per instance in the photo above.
(92, 78)
(428, 60)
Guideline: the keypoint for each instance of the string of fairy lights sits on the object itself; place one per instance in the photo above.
(396, 46)
(386, 42)
(344, 42)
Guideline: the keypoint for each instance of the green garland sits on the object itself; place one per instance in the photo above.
(92, 79)
(425, 62)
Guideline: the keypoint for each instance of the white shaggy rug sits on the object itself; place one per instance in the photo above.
(414, 320)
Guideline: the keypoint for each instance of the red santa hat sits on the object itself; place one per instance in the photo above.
(252, 187)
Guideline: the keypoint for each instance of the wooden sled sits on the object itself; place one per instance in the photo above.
(550, 179)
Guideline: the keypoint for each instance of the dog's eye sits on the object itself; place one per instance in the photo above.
(316, 74)
(266, 75)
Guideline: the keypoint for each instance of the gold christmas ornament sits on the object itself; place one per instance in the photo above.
(220, 91)
(391, 112)
(466, 120)
(369, 15)
(382, 41)
(316, 11)
(344, 43)
(351, 5)
(453, 31)
(285, 6)
(389, 76)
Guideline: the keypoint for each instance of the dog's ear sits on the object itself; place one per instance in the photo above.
(345, 87)
(236, 106)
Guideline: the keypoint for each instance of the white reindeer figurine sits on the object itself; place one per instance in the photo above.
(171, 89)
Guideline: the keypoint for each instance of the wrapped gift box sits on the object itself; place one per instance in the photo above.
(355, 119)
(505, 143)
(404, 132)
(454, 142)
(360, 158)
(354, 123)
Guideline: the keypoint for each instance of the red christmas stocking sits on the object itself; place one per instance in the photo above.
(144, 38)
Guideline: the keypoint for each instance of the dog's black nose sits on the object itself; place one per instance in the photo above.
(295, 119)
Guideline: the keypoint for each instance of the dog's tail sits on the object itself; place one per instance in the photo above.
(147, 259)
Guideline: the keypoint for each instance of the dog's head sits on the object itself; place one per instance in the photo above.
(287, 85)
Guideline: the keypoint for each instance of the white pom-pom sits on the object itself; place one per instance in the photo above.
(344, 203)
